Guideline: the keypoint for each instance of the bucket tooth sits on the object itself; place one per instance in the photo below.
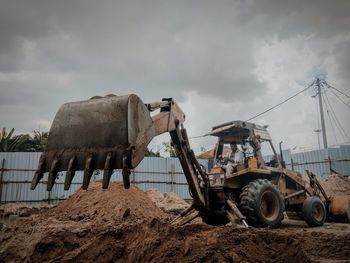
(39, 173)
(126, 177)
(70, 173)
(52, 174)
(107, 171)
(87, 172)
(126, 172)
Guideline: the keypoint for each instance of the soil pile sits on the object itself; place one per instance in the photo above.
(20, 209)
(118, 225)
(114, 204)
(168, 202)
(335, 184)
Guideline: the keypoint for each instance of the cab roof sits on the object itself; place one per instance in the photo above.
(239, 131)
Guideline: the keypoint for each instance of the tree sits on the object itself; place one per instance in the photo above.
(9, 143)
(26, 144)
(150, 153)
(23, 142)
(168, 148)
(40, 140)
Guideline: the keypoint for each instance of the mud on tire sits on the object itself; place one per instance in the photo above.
(262, 204)
(314, 211)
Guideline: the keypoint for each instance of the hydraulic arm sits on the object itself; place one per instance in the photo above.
(113, 132)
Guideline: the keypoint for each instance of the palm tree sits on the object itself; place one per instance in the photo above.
(40, 140)
(9, 143)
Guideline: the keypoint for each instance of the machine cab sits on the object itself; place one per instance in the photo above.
(250, 138)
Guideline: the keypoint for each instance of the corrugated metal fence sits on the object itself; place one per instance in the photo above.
(165, 174)
(18, 168)
(320, 162)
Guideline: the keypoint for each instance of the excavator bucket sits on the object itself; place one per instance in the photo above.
(339, 208)
(102, 133)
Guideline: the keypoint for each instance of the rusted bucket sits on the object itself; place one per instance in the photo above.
(339, 208)
(106, 133)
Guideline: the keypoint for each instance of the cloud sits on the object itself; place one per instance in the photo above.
(221, 60)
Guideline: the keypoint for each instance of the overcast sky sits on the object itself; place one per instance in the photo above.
(220, 60)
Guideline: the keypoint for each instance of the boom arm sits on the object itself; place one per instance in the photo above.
(113, 132)
(171, 119)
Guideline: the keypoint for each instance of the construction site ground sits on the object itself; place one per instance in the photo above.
(118, 225)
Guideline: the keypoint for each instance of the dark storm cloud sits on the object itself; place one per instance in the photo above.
(175, 46)
(60, 51)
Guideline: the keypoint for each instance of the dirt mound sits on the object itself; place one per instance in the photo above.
(21, 209)
(335, 184)
(160, 242)
(118, 225)
(114, 204)
(168, 202)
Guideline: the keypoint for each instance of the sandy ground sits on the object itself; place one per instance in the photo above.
(118, 225)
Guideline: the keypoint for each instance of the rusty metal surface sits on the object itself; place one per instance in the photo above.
(101, 133)
(105, 133)
(166, 121)
(109, 124)
(183, 150)
(339, 208)
(240, 129)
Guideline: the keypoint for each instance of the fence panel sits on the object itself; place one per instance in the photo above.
(164, 174)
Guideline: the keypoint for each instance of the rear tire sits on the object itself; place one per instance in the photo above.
(262, 204)
(314, 211)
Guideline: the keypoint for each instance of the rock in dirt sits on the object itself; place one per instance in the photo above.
(168, 202)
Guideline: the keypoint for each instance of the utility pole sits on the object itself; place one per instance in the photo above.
(318, 85)
(318, 137)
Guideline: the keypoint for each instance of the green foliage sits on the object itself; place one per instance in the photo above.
(150, 153)
(168, 148)
(22, 142)
(9, 143)
(40, 140)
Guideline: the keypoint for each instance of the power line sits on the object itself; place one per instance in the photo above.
(335, 94)
(329, 86)
(196, 137)
(279, 104)
(336, 121)
(336, 118)
(330, 120)
(343, 132)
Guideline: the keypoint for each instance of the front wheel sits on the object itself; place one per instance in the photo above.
(262, 204)
(314, 211)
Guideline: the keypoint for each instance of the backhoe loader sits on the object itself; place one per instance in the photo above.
(112, 132)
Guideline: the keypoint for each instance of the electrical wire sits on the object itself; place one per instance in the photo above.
(336, 118)
(330, 119)
(340, 127)
(335, 94)
(291, 97)
(279, 104)
(196, 137)
(341, 92)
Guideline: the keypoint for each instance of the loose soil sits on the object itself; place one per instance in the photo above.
(335, 184)
(167, 202)
(118, 225)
